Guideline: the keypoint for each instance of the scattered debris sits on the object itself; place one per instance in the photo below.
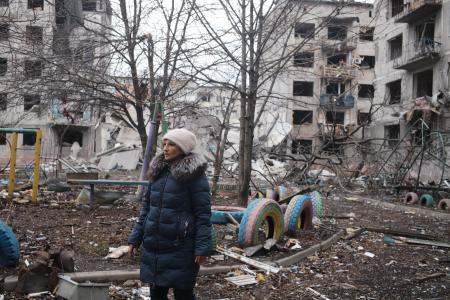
(118, 252)
(316, 293)
(242, 280)
(249, 261)
(369, 254)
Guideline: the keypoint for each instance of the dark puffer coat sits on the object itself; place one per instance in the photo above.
(174, 223)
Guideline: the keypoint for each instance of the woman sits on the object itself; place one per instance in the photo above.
(174, 223)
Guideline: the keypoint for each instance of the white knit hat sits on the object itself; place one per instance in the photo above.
(184, 139)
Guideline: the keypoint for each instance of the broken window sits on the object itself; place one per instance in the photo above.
(3, 101)
(396, 7)
(30, 100)
(366, 91)
(335, 117)
(334, 88)
(301, 146)
(339, 59)
(303, 88)
(34, 35)
(304, 59)
(337, 32)
(2, 138)
(71, 136)
(29, 139)
(424, 83)
(4, 3)
(36, 4)
(3, 66)
(60, 12)
(367, 62)
(89, 5)
(302, 117)
(304, 30)
(4, 31)
(395, 46)
(366, 33)
(392, 134)
(204, 96)
(33, 68)
(364, 118)
(394, 90)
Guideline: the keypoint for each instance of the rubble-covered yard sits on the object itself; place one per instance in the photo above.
(363, 267)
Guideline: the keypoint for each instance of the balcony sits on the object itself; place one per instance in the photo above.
(335, 130)
(68, 114)
(344, 101)
(333, 46)
(339, 72)
(417, 9)
(418, 54)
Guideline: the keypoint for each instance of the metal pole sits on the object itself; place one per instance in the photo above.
(12, 167)
(37, 166)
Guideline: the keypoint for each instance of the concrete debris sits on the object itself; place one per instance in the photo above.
(115, 253)
(124, 160)
(242, 280)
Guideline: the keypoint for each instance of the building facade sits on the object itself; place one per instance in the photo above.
(412, 81)
(327, 87)
(46, 48)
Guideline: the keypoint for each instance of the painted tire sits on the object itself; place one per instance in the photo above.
(426, 200)
(213, 239)
(411, 198)
(299, 215)
(9, 247)
(271, 194)
(256, 213)
(282, 192)
(444, 204)
(316, 199)
(219, 217)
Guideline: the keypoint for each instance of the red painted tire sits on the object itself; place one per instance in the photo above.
(257, 213)
(411, 198)
(298, 215)
(444, 204)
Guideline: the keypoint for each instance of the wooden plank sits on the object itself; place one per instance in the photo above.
(86, 176)
(249, 261)
(108, 182)
(405, 233)
(242, 280)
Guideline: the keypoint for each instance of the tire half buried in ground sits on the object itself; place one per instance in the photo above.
(299, 214)
(264, 214)
(9, 246)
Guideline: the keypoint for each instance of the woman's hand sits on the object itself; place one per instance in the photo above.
(200, 259)
(131, 249)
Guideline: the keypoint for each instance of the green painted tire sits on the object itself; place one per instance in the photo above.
(316, 199)
(259, 213)
(426, 200)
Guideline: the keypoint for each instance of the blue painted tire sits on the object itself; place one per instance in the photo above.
(9, 247)
(257, 212)
(282, 192)
(316, 199)
(298, 215)
(218, 216)
(426, 200)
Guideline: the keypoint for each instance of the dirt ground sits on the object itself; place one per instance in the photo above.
(347, 270)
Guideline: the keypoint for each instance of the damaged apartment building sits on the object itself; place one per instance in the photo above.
(48, 51)
(412, 80)
(329, 81)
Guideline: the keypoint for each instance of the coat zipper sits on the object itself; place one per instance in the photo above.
(159, 218)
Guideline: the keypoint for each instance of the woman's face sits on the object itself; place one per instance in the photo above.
(171, 150)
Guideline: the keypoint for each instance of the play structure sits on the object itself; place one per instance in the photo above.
(13, 155)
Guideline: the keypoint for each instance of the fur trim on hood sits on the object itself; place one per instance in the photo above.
(184, 170)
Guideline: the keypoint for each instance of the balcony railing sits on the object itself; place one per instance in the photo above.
(347, 44)
(418, 54)
(344, 101)
(340, 72)
(417, 10)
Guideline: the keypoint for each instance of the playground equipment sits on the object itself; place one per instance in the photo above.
(13, 156)
(266, 218)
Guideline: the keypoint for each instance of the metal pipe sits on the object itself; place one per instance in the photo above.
(151, 140)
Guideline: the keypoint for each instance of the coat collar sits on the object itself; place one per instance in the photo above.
(184, 170)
